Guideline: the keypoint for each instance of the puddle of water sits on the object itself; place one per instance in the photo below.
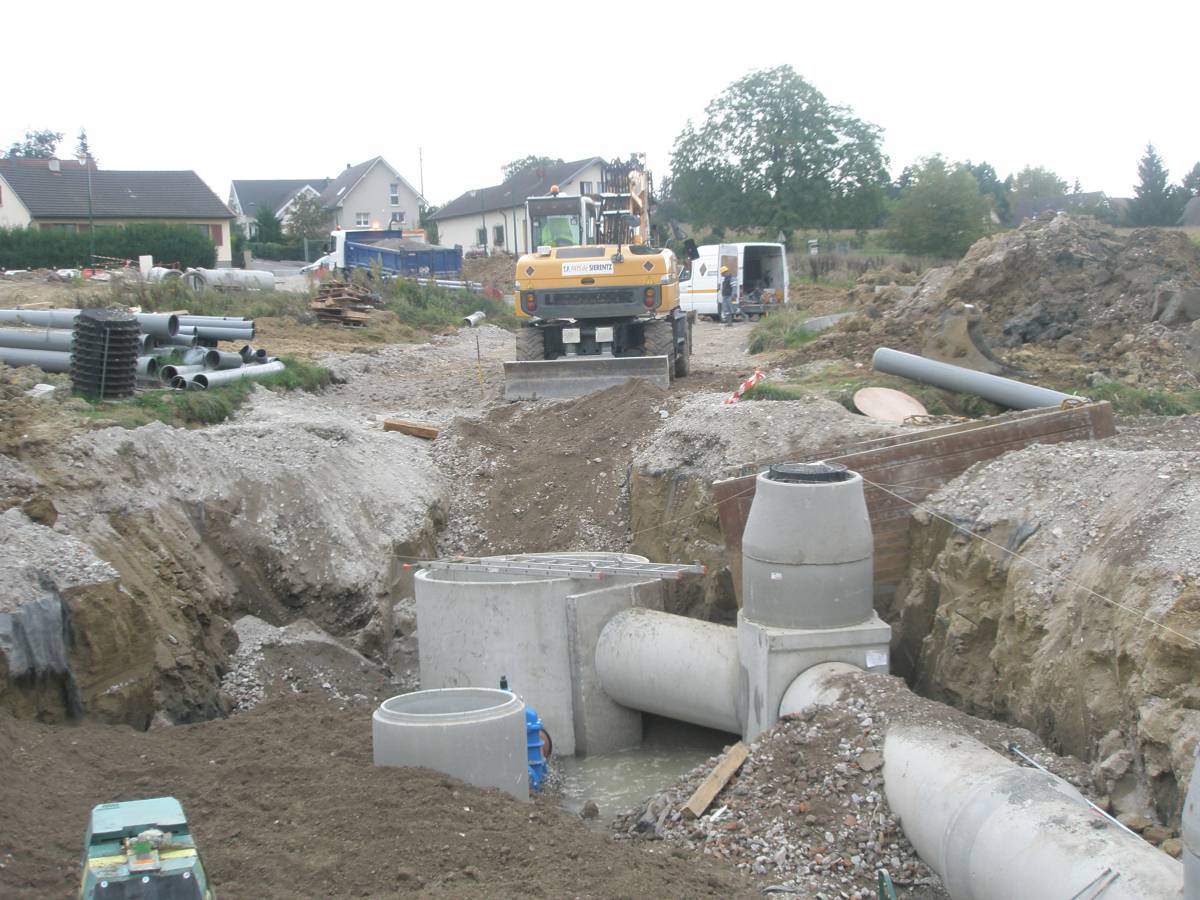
(617, 782)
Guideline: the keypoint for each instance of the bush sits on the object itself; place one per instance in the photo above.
(279, 251)
(431, 308)
(32, 248)
(780, 331)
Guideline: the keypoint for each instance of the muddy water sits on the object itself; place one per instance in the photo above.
(618, 782)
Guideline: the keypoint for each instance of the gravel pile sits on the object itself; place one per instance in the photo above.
(705, 435)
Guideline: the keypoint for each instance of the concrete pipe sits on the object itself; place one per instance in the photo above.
(46, 360)
(1190, 832)
(42, 318)
(474, 734)
(204, 380)
(160, 325)
(213, 333)
(812, 688)
(37, 338)
(161, 273)
(994, 830)
(246, 279)
(672, 666)
(807, 550)
(1005, 391)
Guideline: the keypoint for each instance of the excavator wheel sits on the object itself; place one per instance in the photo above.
(659, 340)
(531, 344)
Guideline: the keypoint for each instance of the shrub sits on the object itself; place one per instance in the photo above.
(431, 308)
(780, 331)
(265, 250)
(32, 248)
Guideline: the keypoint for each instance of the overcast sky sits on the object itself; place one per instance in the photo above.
(299, 90)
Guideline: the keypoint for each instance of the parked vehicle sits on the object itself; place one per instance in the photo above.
(760, 278)
(391, 252)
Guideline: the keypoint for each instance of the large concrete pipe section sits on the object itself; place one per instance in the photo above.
(807, 549)
(1005, 391)
(994, 830)
(37, 339)
(42, 318)
(1190, 832)
(814, 687)
(671, 666)
(474, 734)
(46, 360)
(247, 279)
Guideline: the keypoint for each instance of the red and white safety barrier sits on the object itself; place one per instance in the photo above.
(745, 386)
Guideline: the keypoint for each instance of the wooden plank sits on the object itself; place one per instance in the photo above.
(717, 779)
(416, 429)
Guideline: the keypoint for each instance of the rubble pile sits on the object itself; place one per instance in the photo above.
(1059, 296)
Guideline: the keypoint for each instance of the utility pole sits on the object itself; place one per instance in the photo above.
(421, 169)
(86, 159)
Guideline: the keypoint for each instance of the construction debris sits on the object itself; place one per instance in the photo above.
(703, 796)
(342, 303)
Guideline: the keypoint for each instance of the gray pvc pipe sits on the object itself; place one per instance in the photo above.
(212, 333)
(182, 340)
(160, 325)
(1005, 391)
(47, 360)
(250, 354)
(147, 367)
(672, 666)
(219, 359)
(169, 373)
(1190, 832)
(994, 830)
(45, 318)
(37, 339)
(218, 321)
(205, 380)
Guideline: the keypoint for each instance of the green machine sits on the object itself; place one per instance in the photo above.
(141, 850)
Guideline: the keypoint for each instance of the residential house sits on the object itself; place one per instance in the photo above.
(248, 198)
(371, 194)
(492, 219)
(65, 195)
(1089, 203)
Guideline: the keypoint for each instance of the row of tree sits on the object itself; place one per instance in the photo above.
(43, 145)
(774, 155)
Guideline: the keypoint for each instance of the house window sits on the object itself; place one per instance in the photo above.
(585, 187)
(362, 220)
(218, 236)
(394, 194)
(481, 237)
(498, 235)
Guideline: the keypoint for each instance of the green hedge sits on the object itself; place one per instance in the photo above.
(32, 248)
(265, 250)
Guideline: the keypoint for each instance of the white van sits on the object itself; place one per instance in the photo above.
(760, 278)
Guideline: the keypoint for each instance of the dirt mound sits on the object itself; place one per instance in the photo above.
(495, 272)
(1061, 298)
(285, 801)
(808, 811)
(547, 476)
(1112, 681)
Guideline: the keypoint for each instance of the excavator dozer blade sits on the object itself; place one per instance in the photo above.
(559, 379)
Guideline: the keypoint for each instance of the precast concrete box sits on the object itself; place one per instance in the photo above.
(539, 633)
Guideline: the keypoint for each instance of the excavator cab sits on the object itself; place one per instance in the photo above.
(557, 221)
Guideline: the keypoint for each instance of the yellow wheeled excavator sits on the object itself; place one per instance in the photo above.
(599, 305)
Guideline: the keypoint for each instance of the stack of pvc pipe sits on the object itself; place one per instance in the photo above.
(47, 344)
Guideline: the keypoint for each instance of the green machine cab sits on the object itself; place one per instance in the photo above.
(141, 849)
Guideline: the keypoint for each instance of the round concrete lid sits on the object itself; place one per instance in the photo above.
(887, 405)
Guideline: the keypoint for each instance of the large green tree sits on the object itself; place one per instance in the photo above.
(269, 229)
(1031, 184)
(1156, 201)
(774, 154)
(37, 145)
(992, 188)
(940, 212)
(83, 150)
(308, 218)
(517, 166)
(1191, 181)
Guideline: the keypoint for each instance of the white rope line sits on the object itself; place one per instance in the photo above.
(1021, 558)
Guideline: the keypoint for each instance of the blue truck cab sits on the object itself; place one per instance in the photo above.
(141, 849)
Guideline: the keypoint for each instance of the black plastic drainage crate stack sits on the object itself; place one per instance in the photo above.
(104, 354)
